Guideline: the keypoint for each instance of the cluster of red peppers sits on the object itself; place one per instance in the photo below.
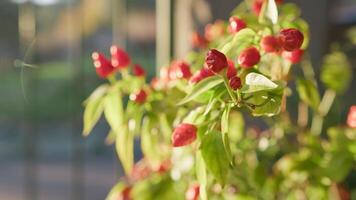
(288, 40)
(120, 60)
(287, 43)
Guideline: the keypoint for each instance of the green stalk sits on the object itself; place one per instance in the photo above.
(112, 79)
(124, 74)
(317, 124)
(232, 96)
(302, 114)
(239, 97)
(326, 102)
(324, 107)
(307, 68)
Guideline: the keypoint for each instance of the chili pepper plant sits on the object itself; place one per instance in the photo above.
(241, 117)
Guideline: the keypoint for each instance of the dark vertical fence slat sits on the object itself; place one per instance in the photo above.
(31, 179)
(27, 31)
(77, 91)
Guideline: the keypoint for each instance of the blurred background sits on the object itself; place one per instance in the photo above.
(46, 72)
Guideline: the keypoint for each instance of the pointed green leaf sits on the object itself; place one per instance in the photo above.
(218, 93)
(113, 110)
(93, 110)
(336, 72)
(290, 11)
(149, 142)
(236, 126)
(215, 156)
(195, 116)
(265, 103)
(210, 105)
(124, 148)
(158, 188)
(241, 40)
(115, 191)
(134, 114)
(201, 87)
(110, 138)
(165, 127)
(308, 93)
(225, 131)
(98, 92)
(338, 165)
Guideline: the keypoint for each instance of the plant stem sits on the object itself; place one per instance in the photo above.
(124, 73)
(239, 96)
(112, 79)
(324, 107)
(326, 102)
(317, 124)
(307, 68)
(302, 115)
(233, 98)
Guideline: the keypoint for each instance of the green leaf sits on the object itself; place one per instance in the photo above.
(113, 111)
(201, 175)
(269, 11)
(201, 87)
(165, 127)
(195, 116)
(134, 113)
(255, 82)
(225, 131)
(204, 97)
(342, 139)
(265, 103)
(110, 138)
(130, 84)
(115, 191)
(97, 93)
(338, 165)
(270, 108)
(317, 192)
(308, 93)
(93, 109)
(236, 126)
(158, 188)
(290, 11)
(124, 148)
(210, 105)
(225, 119)
(149, 142)
(336, 72)
(241, 40)
(218, 93)
(215, 156)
